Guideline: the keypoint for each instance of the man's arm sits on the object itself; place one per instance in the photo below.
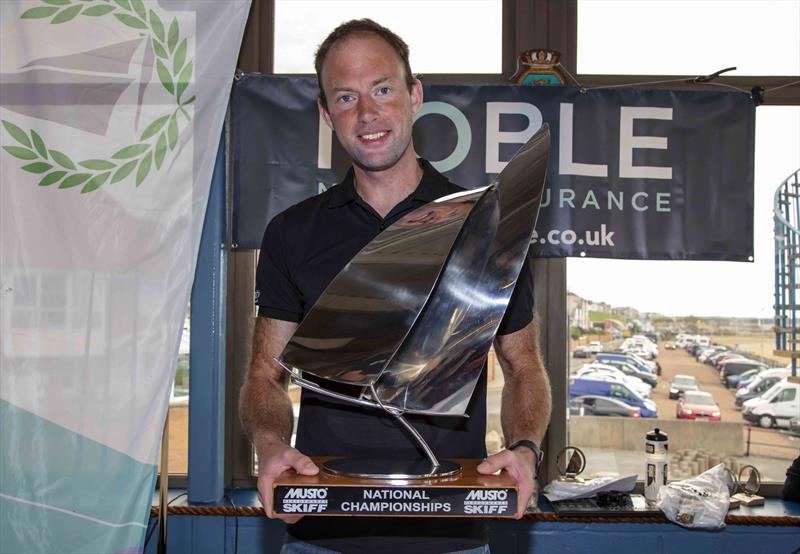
(266, 410)
(525, 409)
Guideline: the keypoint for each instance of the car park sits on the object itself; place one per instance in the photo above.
(602, 406)
(681, 384)
(610, 389)
(777, 406)
(698, 405)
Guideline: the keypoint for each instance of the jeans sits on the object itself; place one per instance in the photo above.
(294, 546)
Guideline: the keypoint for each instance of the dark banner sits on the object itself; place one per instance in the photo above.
(633, 173)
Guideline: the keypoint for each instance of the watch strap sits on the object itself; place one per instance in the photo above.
(530, 445)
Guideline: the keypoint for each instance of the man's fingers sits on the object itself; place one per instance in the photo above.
(508, 461)
(493, 464)
(302, 464)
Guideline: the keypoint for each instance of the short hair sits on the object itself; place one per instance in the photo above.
(361, 26)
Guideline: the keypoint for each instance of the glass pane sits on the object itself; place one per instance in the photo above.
(179, 407)
(730, 304)
(688, 37)
(441, 34)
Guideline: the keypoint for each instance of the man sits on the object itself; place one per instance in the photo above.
(369, 96)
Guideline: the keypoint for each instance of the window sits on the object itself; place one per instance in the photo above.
(688, 37)
(441, 34)
(179, 406)
(786, 395)
(670, 297)
(609, 36)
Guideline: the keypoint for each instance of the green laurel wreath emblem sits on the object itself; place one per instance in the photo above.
(160, 137)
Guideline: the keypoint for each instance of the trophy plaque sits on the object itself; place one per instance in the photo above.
(750, 483)
(410, 320)
(570, 462)
(466, 493)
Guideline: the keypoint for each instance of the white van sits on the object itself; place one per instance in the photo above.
(700, 340)
(776, 406)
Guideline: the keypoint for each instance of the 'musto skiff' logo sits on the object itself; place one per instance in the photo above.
(165, 45)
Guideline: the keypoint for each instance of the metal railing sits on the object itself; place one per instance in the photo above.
(749, 442)
(786, 216)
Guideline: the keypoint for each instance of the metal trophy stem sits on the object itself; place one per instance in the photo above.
(382, 468)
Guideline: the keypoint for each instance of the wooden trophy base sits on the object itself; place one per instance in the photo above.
(465, 494)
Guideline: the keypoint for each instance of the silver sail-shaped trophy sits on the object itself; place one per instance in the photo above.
(410, 319)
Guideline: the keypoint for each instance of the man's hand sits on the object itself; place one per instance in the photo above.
(520, 464)
(274, 459)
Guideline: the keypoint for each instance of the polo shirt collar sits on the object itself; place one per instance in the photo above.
(433, 185)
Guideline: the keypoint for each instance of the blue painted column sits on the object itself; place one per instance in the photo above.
(207, 349)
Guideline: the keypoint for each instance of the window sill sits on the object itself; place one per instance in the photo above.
(244, 503)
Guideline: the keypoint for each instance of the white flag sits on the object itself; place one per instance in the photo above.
(110, 113)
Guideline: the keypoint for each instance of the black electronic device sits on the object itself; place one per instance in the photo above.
(610, 503)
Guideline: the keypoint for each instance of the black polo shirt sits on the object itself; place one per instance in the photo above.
(303, 249)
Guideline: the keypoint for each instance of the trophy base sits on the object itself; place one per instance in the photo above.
(387, 468)
(458, 493)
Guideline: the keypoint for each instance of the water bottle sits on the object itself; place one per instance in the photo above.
(656, 460)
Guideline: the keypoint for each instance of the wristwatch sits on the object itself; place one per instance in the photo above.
(532, 446)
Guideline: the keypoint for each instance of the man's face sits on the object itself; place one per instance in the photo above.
(368, 102)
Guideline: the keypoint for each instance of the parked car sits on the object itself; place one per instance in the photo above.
(737, 367)
(632, 371)
(681, 384)
(746, 379)
(715, 357)
(610, 389)
(595, 347)
(601, 406)
(761, 384)
(636, 361)
(728, 357)
(608, 373)
(698, 405)
(641, 346)
(708, 352)
(775, 407)
(735, 381)
(582, 352)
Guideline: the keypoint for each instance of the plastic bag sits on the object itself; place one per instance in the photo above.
(701, 502)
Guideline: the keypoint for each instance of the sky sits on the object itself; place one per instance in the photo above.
(657, 37)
